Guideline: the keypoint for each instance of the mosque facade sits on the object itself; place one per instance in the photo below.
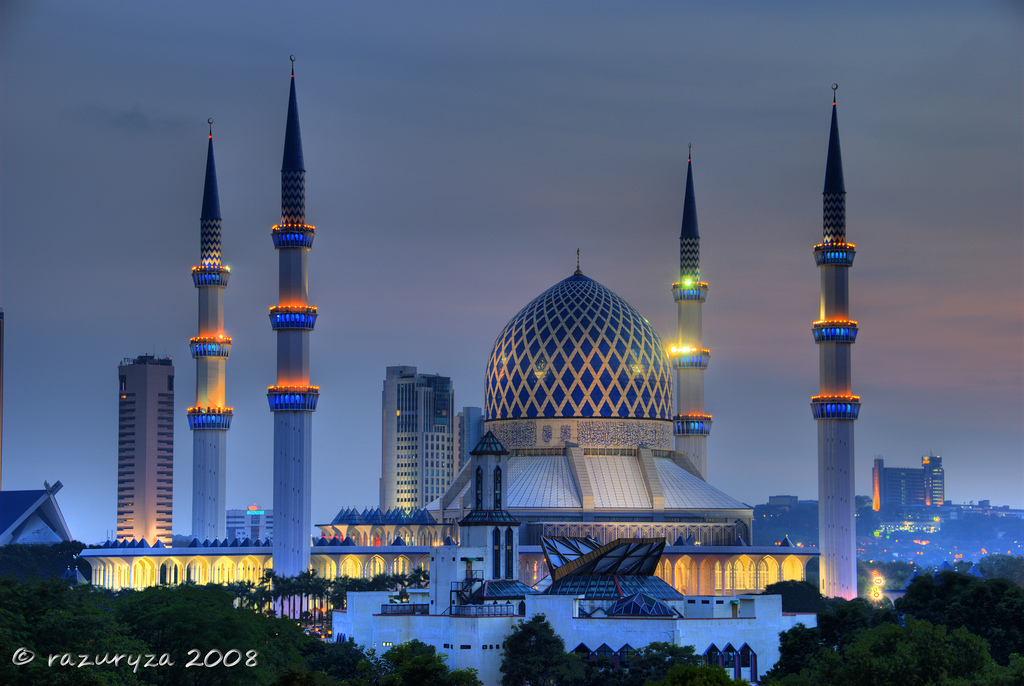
(601, 444)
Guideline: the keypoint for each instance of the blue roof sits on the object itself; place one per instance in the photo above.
(211, 198)
(292, 137)
(689, 207)
(834, 166)
(14, 503)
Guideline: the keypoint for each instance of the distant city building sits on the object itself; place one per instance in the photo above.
(145, 449)
(253, 523)
(469, 429)
(902, 486)
(785, 501)
(418, 452)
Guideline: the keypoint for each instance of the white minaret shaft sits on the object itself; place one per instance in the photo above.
(292, 400)
(210, 419)
(835, 408)
(689, 357)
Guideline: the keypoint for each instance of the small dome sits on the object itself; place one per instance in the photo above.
(578, 350)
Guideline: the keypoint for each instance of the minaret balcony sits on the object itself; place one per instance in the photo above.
(689, 358)
(211, 276)
(841, 331)
(210, 418)
(293, 398)
(690, 291)
(293, 236)
(835, 254)
(293, 317)
(835, 406)
(692, 424)
(209, 346)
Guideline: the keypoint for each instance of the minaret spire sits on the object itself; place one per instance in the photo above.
(835, 408)
(689, 357)
(293, 399)
(210, 419)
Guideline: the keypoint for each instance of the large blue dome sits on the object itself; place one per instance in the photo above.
(578, 350)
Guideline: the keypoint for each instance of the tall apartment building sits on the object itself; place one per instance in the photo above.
(145, 449)
(469, 429)
(418, 442)
(253, 523)
(903, 486)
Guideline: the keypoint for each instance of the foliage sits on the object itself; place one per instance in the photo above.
(410, 664)
(997, 566)
(917, 654)
(535, 654)
(797, 596)
(26, 561)
(990, 608)
(692, 675)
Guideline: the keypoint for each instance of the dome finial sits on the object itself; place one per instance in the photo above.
(210, 122)
(835, 87)
(292, 58)
(689, 152)
(577, 262)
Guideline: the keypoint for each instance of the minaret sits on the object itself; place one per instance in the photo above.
(209, 419)
(835, 408)
(292, 400)
(689, 357)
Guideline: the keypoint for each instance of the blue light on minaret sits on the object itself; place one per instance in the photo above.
(292, 400)
(835, 408)
(210, 419)
(689, 356)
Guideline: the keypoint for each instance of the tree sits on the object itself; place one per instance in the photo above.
(1009, 567)
(535, 654)
(693, 675)
(653, 661)
(797, 596)
(990, 608)
(918, 654)
(410, 664)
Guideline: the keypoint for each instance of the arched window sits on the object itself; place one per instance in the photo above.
(479, 488)
(496, 535)
(497, 488)
(508, 553)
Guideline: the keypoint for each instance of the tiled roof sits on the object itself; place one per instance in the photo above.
(617, 482)
(543, 481)
(684, 491)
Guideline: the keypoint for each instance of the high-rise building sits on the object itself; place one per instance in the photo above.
(689, 357)
(145, 449)
(835, 408)
(902, 486)
(293, 399)
(210, 418)
(254, 523)
(418, 451)
(469, 429)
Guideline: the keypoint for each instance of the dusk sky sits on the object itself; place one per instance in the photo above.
(457, 155)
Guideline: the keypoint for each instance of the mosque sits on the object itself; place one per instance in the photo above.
(601, 423)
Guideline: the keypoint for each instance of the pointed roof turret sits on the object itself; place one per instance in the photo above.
(689, 205)
(834, 165)
(211, 198)
(292, 138)
(489, 445)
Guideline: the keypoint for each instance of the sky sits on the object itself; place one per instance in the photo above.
(457, 155)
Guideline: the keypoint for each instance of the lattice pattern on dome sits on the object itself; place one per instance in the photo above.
(578, 350)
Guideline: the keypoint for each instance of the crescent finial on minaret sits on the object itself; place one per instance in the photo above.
(578, 262)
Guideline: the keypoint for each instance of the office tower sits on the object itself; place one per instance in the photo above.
(145, 449)
(417, 457)
(209, 419)
(934, 480)
(253, 523)
(292, 400)
(688, 355)
(835, 408)
(898, 487)
(469, 429)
